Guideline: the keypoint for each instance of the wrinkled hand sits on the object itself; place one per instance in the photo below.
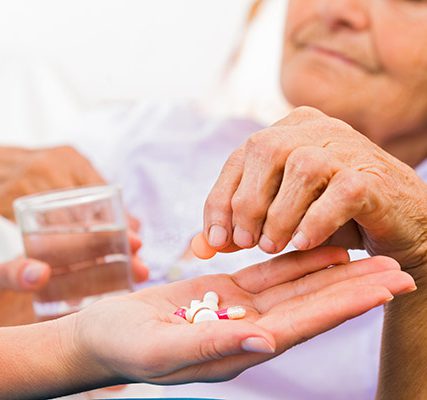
(314, 179)
(289, 299)
(27, 171)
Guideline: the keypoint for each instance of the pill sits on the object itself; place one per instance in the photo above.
(193, 311)
(201, 306)
(181, 312)
(205, 315)
(201, 247)
(195, 303)
(235, 312)
(211, 296)
(209, 304)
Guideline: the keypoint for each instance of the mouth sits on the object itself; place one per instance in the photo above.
(333, 54)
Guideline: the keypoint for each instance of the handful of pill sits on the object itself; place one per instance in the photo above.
(208, 310)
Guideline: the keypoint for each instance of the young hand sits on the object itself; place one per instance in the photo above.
(289, 299)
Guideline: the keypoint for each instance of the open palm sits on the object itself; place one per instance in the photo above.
(289, 299)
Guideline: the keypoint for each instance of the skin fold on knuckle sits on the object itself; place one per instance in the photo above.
(244, 208)
(264, 147)
(354, 192)
(299, 115)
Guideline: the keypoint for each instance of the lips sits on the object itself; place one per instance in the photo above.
(355, 56)
(334, 54)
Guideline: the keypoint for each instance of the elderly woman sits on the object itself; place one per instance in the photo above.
(341, 171)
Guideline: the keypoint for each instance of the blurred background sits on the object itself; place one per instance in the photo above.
(62, 59)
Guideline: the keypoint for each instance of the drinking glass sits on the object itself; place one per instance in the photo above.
(81, 234)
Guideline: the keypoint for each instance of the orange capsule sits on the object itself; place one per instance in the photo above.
(201, 247)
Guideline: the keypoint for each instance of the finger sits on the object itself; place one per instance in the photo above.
(307, 173)
(288, 267)
(299, 115)
(347, 196)
(217, 213)
(202, 342)
(134, 241)
(265, 158)
(292, 326)
(301, 324)
(396, 282)
(310, 318)
(372, 271)
(133, 223)
(24, 274)
(203, 250)
(83, 170)
(140, 270)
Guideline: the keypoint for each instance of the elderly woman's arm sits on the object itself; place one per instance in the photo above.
(310, 180)
(137, 338)
(404, 348)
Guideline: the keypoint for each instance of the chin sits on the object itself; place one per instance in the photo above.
(309, 88)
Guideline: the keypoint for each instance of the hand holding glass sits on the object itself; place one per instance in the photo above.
(81, 234)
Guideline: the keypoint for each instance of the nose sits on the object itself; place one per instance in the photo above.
(344, 14)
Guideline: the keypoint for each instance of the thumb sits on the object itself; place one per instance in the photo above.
(24, 274)
(213, 340)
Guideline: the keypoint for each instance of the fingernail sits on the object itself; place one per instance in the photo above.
(266, 244)
(217, 236)
(409, 289)
(257, 345)
(300, 241)
(32, 273)
(242, 238)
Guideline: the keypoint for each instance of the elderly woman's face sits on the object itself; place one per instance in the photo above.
(364, 61)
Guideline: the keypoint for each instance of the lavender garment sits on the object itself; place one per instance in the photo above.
(167, 158)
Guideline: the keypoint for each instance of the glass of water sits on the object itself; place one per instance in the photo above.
(81, 234)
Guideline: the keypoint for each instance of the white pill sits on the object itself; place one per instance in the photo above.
(210, 304)
(236, 312)
(195, 303)
(189, 315)
(205, 315)
(211, 296)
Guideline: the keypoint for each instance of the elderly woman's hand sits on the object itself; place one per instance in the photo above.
(288, 300)
(313, 179)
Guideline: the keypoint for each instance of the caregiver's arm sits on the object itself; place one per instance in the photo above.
(404, 348)
(112, 341)
(37, 363)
